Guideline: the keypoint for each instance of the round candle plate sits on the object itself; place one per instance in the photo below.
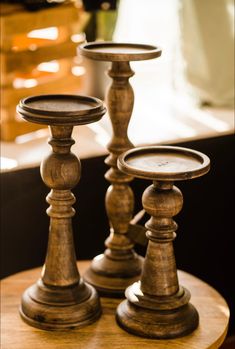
(56, 109)
(164, 163)
(117, 52)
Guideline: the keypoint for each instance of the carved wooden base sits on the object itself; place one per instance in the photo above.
(112, 276)
(157, 317)
(54, 308)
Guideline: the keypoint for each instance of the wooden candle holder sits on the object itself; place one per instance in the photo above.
(119, 266)
(60, 299)
(157, 306)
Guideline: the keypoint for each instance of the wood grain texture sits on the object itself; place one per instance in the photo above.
(60, 299)
(157, 306)
(105, 333)
(119, 266)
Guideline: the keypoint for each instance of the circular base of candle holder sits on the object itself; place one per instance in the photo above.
(60, 308)
(111, 277)
(157, 317)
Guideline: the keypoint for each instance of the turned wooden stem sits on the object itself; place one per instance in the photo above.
(119, 197)
(61, 172)
(162, 201)
(120, 102)
(119, 265)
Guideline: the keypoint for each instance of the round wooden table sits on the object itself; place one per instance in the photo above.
(105, 333)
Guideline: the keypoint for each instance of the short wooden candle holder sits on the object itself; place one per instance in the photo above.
(60, 299)
(119, 266)
(157, 306)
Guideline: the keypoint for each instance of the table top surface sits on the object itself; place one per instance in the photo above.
(105, 333)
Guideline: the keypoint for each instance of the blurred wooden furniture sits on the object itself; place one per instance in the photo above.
(37, 56)
(105, 333)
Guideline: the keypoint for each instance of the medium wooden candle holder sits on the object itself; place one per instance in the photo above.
(60, 299)
(157, 306)
(119, 266)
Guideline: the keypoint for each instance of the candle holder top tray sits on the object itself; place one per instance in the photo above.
(60, 109)
(117, 52)
(165, 163)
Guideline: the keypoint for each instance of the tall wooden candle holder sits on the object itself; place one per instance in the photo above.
(60, 299)
(157, 306)
(119, 266)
